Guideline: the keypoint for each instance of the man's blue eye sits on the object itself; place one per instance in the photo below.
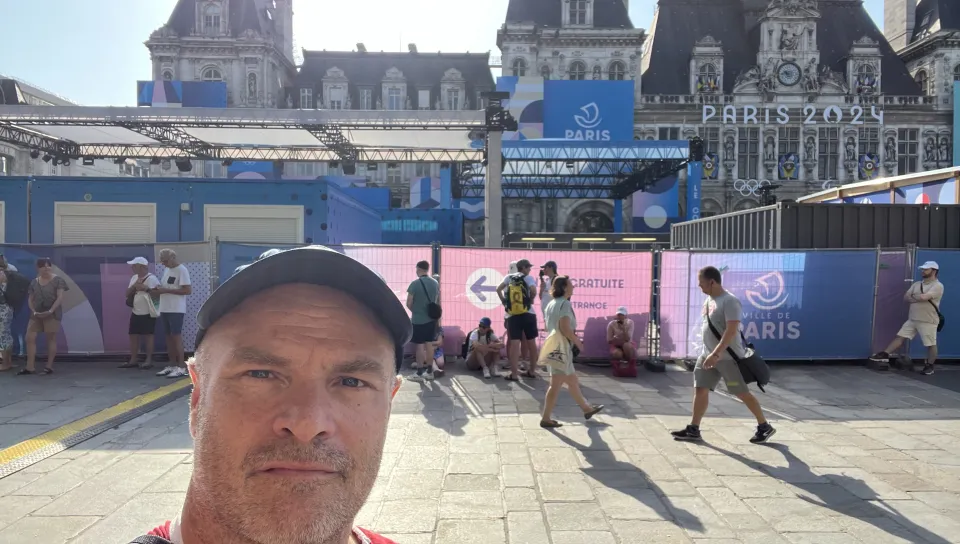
(260, 373)
(351, 382)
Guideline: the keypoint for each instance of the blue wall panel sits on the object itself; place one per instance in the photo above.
(418, 227)
(167, 193)
(348, 221)
(13, 194)
(377, 198)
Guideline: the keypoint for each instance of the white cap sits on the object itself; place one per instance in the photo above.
(622, 310)
(930, 264)
(139, 260)
(513, 268)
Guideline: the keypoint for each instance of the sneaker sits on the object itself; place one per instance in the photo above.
(428, 376)
(689, 434)
(178, 372)
(880, 357)
(927, 370)
(166, 371)
(146, 366)
(486, 373)
(764, 432)
(128, 364)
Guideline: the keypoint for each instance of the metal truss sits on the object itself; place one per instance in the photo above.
(333, 138)
(173, 136)
(34, 140)
(595, 151)
(240, 118)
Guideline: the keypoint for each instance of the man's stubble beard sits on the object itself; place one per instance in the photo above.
(256, 518)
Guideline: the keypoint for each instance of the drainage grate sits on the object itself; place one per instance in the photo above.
(86, 434)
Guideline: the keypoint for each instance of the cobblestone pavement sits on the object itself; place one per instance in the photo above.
(33, 405)
(860, 456)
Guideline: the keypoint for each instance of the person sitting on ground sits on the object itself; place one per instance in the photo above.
(620, 338)
(436, 348)
(289, 411)
(483, 349)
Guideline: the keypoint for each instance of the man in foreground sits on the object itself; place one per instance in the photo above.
(290, 407)
(721, 310)
(923, 318)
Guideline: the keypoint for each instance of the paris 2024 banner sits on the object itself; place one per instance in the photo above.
(796, 305)
(603, 281)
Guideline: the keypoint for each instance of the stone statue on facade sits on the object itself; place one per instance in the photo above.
(349, 103)
(438, 105)
(790, 37)
(770, 150)
(379, 103)
(407, 104)
(729, 149)
(833, 78)
(810, 149)
(890, 149)
(289, 102)
(850, 150)
(750, 75)
(466, 103)
(930, 151)
(596, 72)
(811, 83)
(945, 154)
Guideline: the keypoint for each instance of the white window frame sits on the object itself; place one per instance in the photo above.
(306, 93)
(260, 211)
(102, 209)
(366, 99)
(394, 105)
(336, 98)
(421, 103)
(453, 99)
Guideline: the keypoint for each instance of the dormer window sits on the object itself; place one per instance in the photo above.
(578, 12)
(212, 15)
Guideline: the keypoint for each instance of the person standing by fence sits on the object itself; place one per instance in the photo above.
(173, 290)
(6, 320)
(143, 321)
(45, 297)
(923, 318)
(421, 293)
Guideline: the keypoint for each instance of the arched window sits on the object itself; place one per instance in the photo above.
(212, 74)
(519, 67)
(708, 81)
(545, 71)
(956, 73)
(578, 71)
(616, 72)
(923, 82)
(211, 19)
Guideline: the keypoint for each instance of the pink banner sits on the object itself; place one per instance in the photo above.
(396, 265)
(469, 278)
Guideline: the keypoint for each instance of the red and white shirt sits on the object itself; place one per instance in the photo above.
(171, 531)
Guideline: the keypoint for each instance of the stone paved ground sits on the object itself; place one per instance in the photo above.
(859, 457)
(33, 405)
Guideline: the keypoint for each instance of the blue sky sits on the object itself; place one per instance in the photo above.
(92, 52)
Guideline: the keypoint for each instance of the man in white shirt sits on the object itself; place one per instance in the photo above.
(142, 321)
(173, 290)
(483, 348)
(923, 318)
(620, 338)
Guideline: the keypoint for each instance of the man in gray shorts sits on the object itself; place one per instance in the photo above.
(722, 309)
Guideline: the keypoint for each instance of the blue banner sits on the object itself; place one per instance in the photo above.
(588, 110)
(956, 123)
(790, 301)
(694, 187)
(948, 341)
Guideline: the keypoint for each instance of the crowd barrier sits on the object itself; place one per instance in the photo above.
(806, 305)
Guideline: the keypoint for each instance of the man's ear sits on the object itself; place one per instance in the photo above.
(396, 387)
(194, 395)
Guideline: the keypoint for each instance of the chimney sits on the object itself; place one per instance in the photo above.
(361, 48)
(898, 22)
(412, 47)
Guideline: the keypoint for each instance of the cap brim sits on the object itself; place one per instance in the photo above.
(314, 265)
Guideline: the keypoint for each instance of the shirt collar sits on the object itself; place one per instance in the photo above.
(176, 535)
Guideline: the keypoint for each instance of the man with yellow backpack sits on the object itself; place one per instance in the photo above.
(517, 292)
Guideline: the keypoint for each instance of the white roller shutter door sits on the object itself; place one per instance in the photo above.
(254, 223)
(105, 223)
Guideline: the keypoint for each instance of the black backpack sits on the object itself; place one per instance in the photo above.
(465, 348)
(17, 287)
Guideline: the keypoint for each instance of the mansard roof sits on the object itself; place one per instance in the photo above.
(549, 13)
(680, 23)
(244, 15)
(933, 16)
(419, 69)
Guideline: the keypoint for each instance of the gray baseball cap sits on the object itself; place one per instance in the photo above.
(315, 265)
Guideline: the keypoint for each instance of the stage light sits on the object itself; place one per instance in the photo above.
(65, 162)
(155, 161)
(119, 160)
(47, 157)
(35, 154)
(88, 161)
(349, 168)
(184, 165)
(227, 162)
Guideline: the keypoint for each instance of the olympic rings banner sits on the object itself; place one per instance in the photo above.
(799, 305)
(602, 282)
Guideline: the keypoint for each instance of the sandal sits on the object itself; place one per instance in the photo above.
(531, 375)
(552, 424)
(24, 372)
(46, 371)
(510, 378)
(593, 411)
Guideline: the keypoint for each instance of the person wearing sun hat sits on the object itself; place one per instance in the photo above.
(923, 318)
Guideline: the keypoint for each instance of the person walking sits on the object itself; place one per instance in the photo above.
(45, 297)
(923, 318)
(143, 323)
(721, 313)
(559, 316)
(6, 320)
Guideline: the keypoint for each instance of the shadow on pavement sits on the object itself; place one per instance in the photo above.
(845, 495)
(628, 479)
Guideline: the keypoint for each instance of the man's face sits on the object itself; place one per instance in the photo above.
(525, 270)
(620, 318)
(705, 284)
(289, 414)
(927, 273)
